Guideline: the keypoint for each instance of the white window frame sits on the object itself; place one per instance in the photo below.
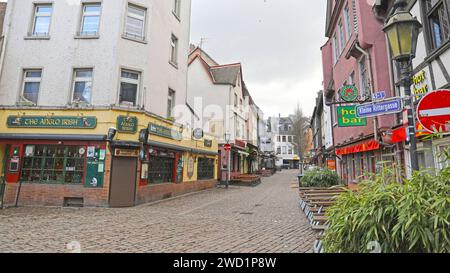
(82, 79)
(36, 14)
(170, 102)
(363, 92)
(131, 81)
(25, 80)
(137, 17)
(342, 39)
(85, 14)
(347, 25)
(174, 49)
(335, 48)
(177, 8)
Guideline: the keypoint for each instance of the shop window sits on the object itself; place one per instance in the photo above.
(438, 20)
(205, 168)
(53, 164)
(160, 169)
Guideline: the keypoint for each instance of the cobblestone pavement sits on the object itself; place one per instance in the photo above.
(262, 219)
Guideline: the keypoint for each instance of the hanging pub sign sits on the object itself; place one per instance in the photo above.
(127, 124)
(162, 131)
(420, 85)
(347, 117)
(349, 93)
(208, 143)
(57, 122)
(198, 133)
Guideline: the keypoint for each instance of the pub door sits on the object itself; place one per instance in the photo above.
(123, 182)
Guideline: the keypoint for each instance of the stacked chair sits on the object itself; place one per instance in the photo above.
(314, 202)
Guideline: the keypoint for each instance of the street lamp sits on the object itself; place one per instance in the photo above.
(402, 31)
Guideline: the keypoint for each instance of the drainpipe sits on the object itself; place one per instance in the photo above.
(6, 27)
(369, 59)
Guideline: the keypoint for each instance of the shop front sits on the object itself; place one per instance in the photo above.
(358, 160)
(71, 158)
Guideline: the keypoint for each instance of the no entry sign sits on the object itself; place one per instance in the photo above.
(227, 147)
(433, 112)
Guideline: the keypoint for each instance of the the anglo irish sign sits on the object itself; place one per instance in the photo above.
(127, 124)
(57, 122)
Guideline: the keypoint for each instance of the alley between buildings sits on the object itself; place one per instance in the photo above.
(258, 219)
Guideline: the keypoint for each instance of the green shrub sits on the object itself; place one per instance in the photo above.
(410, 217)
(320, 178)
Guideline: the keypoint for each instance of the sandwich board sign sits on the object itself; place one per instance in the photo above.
(433, 112)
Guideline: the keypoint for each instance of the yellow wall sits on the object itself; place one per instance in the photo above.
(195, 176)
(107, 118)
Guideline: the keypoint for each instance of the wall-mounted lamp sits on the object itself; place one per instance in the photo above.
(111, 134)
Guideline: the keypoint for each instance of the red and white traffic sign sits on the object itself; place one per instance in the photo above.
(227, 147)
(433, 111)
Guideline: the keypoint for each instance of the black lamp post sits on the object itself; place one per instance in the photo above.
(402, 31)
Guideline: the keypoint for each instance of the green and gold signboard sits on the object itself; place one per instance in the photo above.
(57, 122)
(162, 131)
(127, 124)
(347, 117)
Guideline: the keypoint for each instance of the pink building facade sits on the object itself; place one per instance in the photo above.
(356, 54)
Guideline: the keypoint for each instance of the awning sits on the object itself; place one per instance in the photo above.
(359, 148)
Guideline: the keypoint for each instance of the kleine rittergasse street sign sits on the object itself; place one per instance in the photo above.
(374, 109)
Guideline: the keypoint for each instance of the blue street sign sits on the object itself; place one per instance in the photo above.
(379, 95)
(386, 107)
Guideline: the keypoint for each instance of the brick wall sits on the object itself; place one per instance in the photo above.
(151, 193)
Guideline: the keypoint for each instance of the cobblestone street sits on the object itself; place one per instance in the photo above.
(261, 219)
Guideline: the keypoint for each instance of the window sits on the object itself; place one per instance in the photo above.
(278, 150)
(284, 138)
(341, 38)
(290, 151)
(170, 103)
(31, 85)
(135, 23)
(235, 100)
(351, 78)
(90, 20)
(42, 19)
(161, 169)
(174, 50)
(284, 150)
(205, 168)
(347, 22)
(177, 7)
(54, 164)
(363, 78)
(289, 138)
(438, 20)
(278, 139)
(129, 87)
(335, 49)
(82, 85)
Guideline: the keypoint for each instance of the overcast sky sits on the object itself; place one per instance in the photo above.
(277, 41)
